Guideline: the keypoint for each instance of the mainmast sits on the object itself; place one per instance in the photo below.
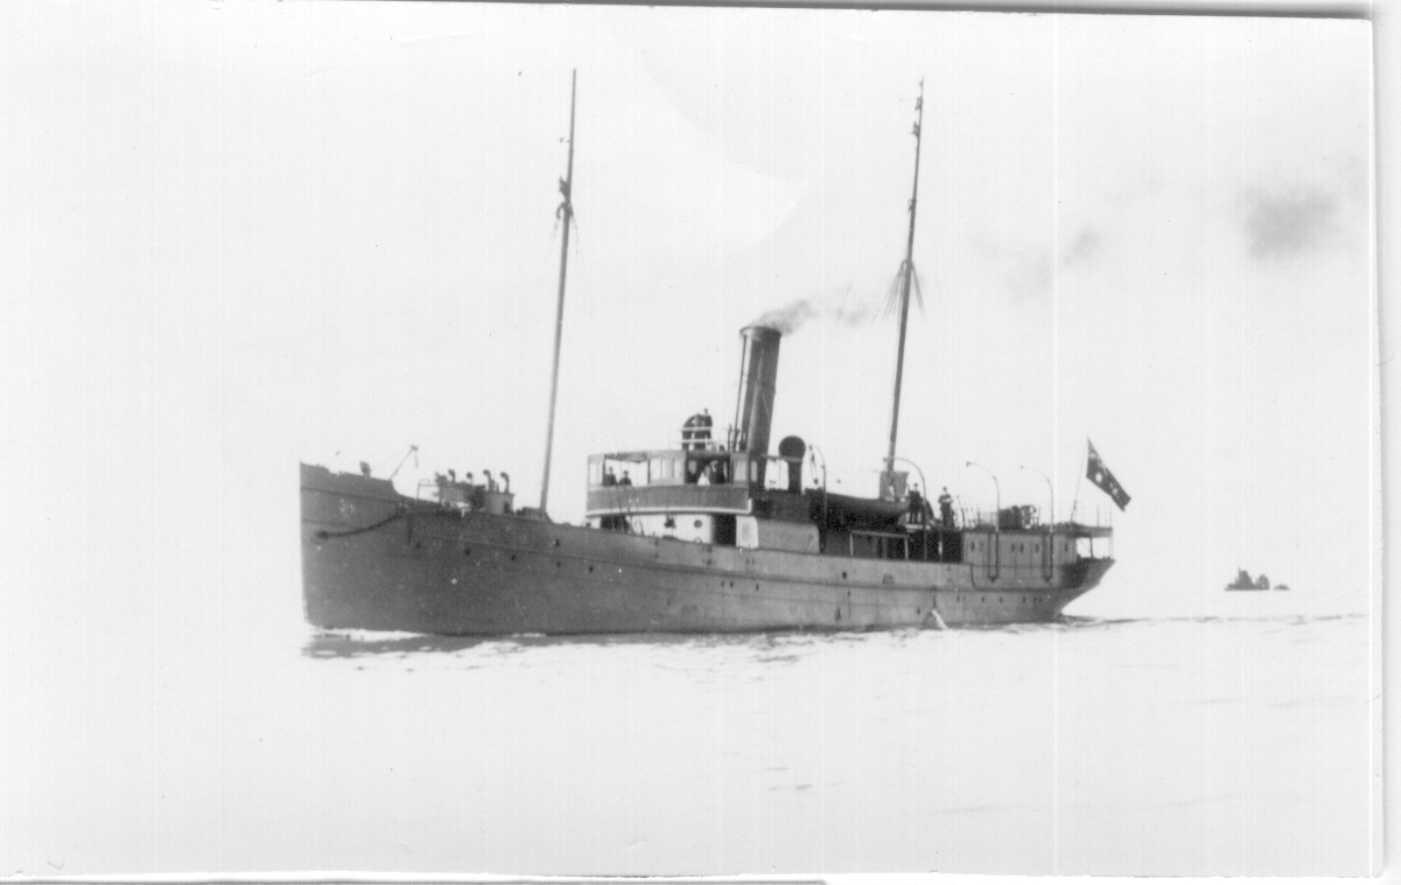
(907, 271)
(565, 213)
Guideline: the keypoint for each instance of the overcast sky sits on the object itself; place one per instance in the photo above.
(240, 236)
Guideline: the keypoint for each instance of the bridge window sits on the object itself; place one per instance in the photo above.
(663, 470)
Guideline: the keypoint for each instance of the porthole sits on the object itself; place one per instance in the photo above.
(699, 523)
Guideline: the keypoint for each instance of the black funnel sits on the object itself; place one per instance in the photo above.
(758, 369)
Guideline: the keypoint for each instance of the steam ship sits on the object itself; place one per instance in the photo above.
(708, 536)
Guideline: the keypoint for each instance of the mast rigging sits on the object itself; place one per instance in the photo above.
(565, 213)
(907, 273)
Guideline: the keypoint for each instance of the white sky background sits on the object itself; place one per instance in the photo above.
(239, 236)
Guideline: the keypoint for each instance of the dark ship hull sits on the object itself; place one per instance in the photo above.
(377, 560)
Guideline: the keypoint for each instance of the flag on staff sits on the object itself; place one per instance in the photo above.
(1097, 473)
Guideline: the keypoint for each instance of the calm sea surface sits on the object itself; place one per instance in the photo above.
(1210, 745)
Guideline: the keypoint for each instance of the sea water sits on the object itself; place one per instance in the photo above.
(1224, 744)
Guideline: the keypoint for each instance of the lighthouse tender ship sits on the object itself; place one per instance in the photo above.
(707, 537)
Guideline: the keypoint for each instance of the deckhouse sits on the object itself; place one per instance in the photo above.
(735, 493)
(731, 493)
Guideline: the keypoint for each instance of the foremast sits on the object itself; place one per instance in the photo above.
(565, 213)
(907, 273)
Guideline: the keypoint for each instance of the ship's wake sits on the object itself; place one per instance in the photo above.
(772, 645)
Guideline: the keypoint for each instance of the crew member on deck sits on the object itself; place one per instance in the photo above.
(916, 505)
(946, 508)
(609, 477)
(626, 480)
(472, 499)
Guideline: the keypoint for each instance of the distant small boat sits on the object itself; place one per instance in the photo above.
(1243, 581)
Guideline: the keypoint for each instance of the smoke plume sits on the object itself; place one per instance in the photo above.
(795, 314)
(1287, 222)
(788, 318)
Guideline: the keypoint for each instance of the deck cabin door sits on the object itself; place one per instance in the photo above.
(724, 533)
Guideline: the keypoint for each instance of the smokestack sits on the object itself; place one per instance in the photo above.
(758, 368)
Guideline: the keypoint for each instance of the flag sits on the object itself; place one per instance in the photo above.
(1097, 473)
